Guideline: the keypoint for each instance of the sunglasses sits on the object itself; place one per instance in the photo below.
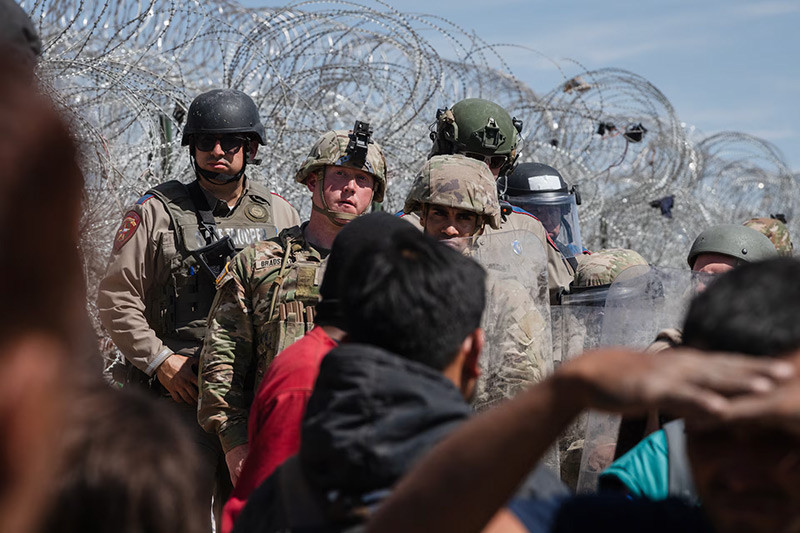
(493, 161)
(230, 144)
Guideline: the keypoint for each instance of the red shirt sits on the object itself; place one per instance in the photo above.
(276, 414)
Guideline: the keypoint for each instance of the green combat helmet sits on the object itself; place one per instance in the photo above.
(596, 272)
(349, 148)
(740, 242)
(479, 129)
(776, 231)
(456, 181)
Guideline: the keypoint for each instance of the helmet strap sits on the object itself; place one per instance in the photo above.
(337, 218)
(217, 177)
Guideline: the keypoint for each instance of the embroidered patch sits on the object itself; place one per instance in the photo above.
(130, 223)
(268, 263)
(143, 199)
(257, 213)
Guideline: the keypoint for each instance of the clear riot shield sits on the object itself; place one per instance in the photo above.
(516, 320)
(641, 302)
(577, 326)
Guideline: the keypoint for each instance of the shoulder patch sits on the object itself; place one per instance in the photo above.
(143, 199)
(130, 223)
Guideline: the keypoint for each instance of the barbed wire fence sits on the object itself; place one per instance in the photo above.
(125, 72)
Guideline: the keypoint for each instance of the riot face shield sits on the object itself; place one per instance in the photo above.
(641, 302)
(558, 213)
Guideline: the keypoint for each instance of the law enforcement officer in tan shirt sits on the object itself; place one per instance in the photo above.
(173, 243)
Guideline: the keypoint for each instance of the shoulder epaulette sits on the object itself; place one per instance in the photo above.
(144, 199)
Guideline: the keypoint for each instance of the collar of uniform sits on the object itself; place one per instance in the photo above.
(220, 208)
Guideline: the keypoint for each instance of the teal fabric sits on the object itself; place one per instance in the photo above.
(644, 469)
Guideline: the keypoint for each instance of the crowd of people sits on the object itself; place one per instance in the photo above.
(428, 370)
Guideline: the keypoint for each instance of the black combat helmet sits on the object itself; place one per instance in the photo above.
(17, 31)
(223, 111)
(541, 190)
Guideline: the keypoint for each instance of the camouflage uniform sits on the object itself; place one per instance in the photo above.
(464, 183)
(265, 301)
(776, 231)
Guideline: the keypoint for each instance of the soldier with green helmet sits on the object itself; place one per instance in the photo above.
(267, 293)
(482, 130)
(172, 244)
(774, 227)
(721, 248)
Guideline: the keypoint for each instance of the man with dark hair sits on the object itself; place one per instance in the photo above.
(751, 310)
(741, 427)
(376, 408)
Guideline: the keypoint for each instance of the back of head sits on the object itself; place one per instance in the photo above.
(740, 242)
(752, 309)
(776, 231)
(455, 181)
(18, 38)
(416, 298)
(368, 232)
(128, 466)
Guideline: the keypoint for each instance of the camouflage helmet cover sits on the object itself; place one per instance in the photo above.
(602, 267)
(776, 231)
(740, 242)
(476, 125)
(456, 181)
(331, 149)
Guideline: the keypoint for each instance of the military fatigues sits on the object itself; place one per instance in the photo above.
(155, 296)
(264, 302)
(514, 356)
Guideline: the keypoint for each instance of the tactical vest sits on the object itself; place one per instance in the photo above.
(293, 300)
(178, 309)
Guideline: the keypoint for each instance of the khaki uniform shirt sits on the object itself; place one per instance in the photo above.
(143, 256)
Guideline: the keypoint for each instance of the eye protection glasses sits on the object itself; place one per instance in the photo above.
(230, 144)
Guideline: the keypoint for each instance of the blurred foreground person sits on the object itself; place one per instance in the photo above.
(71, 457)
(277, 410)
(412, 312)
(752, 310)
(742, 433)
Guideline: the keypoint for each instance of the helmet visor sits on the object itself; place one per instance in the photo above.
(558, 213)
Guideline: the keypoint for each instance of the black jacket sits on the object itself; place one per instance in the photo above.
(371, 416)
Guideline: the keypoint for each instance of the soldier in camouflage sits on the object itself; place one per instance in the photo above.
(776, 231)
(266, 295)
(484, 131)
(455, 198)
(172, 244)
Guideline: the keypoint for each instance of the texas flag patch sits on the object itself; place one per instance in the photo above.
(130, 223)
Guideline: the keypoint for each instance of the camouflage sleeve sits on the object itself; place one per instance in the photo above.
(515, 354)
(227, 356)
(132, 271)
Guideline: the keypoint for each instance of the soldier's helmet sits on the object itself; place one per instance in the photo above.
(456, 181)
(17, 32)
(337, 147)
(540, 190)
(596, 272)
(739, 242)
(776, 231)
(223, 111)
(479, 129)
